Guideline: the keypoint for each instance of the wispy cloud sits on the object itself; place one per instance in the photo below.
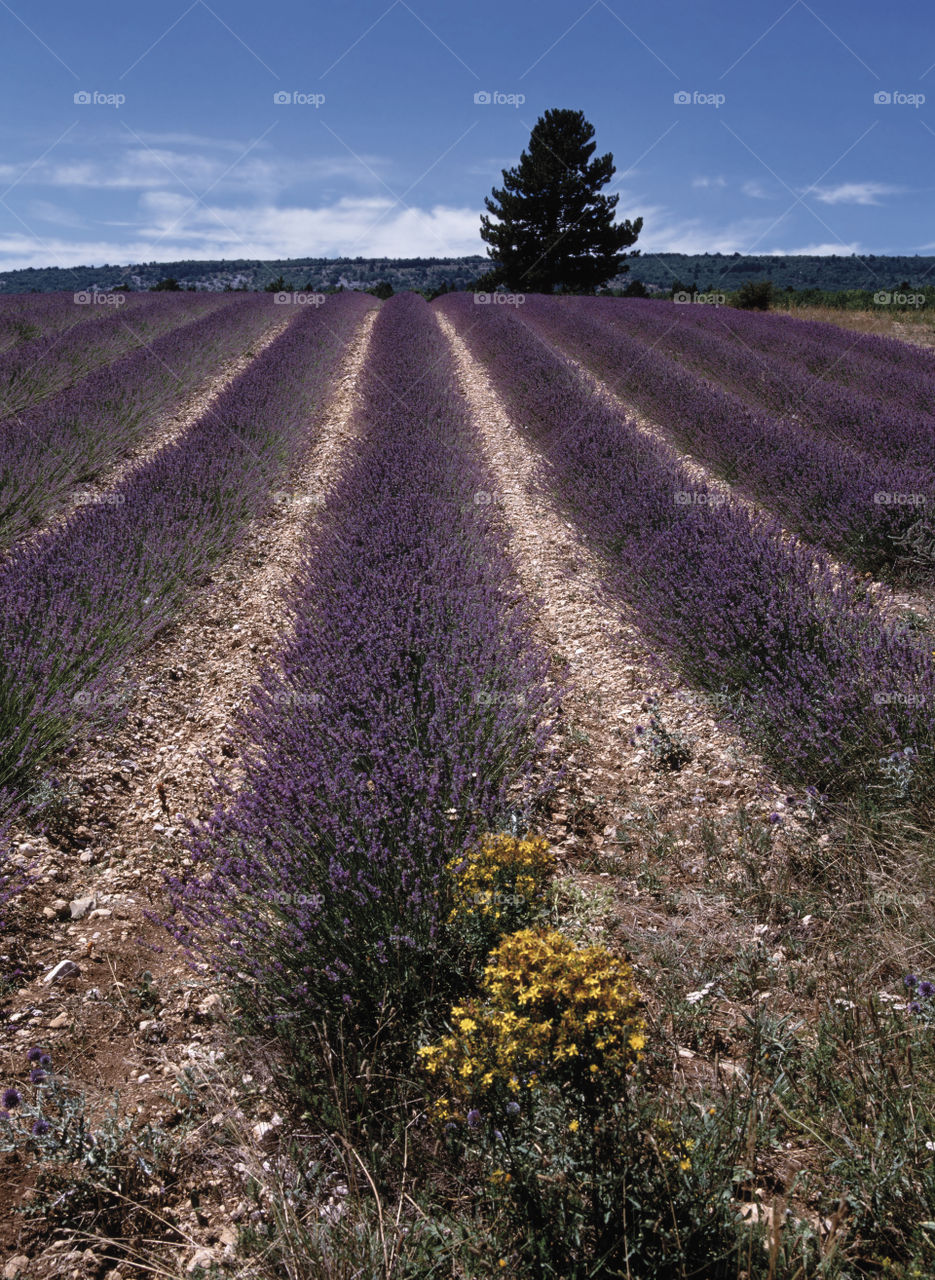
(819, 250)
(369, 227)
(703, 183)
(159, 167)
(854, 193)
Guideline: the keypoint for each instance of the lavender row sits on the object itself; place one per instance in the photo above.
(78, 602)
(814, 671)
(851, 415)
(25, 316)
(399, 721)
(65, 440)
(865, 510)
(41, 367)
(894, 373)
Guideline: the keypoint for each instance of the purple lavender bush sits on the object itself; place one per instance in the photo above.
(81, 600)
(858, 507)
(888, 371)
(26, 316)
(867, 413)
(32, 370)
(402, 718)
(64, 441)
(820, 675)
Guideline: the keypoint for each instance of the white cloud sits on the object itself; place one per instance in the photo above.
(154, 168)
(349, 227)
(819, 250)
(854, 193)
(755, 190)
(705, 182)
(668, 235)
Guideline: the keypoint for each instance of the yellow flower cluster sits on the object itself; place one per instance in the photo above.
(681, 1154)
(500, 877)
(549, 1013)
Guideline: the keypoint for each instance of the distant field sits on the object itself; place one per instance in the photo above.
(909, 326)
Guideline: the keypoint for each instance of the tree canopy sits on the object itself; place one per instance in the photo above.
(554, 230)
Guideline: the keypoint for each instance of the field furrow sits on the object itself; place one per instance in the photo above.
(867, 414)
(51, 456)
(80, 602)
(826, 687)
(42, 367)
(867, 511)
(404, 715)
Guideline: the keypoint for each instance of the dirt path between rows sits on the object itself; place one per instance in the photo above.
(132, 793)
(610, 671)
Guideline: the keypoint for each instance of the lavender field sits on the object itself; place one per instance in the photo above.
(450, 744)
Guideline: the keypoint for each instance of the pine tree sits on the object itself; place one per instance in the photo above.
(554, 229)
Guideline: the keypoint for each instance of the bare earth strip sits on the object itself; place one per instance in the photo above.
(132, 795)
(652, 860)
(610, 667)
(920, 602)
(169, 430)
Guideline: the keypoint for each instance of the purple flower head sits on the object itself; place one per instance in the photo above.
(37, 1075)
(46, 1061)
(450, 1127)
(911, 981)
(34, 1055)
(512, 1108)
(11, 1099)
(775, 817)
(498, 1135)
(473, 1118)
(914, 1006)
(41, 1127)
(926, 989)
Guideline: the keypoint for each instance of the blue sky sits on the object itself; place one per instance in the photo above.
(784, 144)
